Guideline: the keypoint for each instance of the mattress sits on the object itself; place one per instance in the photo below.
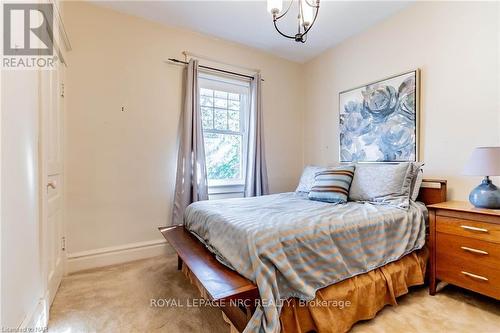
(290, 246)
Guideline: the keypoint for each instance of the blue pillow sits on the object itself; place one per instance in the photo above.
(332, 185)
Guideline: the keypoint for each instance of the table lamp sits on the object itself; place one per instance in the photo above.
(484, 161)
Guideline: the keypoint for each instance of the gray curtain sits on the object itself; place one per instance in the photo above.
(256, 174)
(191, 182)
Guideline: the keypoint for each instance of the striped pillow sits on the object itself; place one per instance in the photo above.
(332, 185)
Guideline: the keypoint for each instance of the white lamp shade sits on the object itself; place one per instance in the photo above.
(484, 161)
(274, 6)
(307, 13)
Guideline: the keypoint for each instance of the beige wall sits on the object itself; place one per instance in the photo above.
(121, 165)
(456, 44)
(22, 286)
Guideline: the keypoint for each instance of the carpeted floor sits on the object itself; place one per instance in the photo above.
(118, 299)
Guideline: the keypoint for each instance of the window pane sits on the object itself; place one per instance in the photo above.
(220, 119)
(207, 118)
(223, 106)
(223, 154)
(233, 105)
(206, 101)
(220, 94)
(206, 92)
(220, 103)
(234, 97)
(233, 120)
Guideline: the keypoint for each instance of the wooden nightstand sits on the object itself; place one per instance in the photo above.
(465, 247)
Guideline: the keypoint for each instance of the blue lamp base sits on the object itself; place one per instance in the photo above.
(486, 195)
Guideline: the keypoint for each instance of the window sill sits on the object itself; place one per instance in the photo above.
(226, 189)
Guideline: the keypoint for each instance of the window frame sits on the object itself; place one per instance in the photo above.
(213, 82)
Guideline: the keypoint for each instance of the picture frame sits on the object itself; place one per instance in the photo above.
(379, 121)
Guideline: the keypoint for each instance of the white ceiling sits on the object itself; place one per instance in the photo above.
(249, 23)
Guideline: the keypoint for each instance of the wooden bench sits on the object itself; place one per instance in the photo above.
(233, 292)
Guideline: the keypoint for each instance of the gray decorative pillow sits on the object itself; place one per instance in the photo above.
(417, 180)
(307, 178)
(383, 183)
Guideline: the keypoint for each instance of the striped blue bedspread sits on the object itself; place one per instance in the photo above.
(291, 246)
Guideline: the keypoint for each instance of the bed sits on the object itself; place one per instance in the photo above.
(323, 254)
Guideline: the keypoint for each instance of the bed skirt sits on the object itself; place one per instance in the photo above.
(338, 307)
(367, 294)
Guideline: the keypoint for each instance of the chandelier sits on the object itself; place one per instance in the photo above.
(307, 14)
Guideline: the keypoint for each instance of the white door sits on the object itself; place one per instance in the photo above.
(53, 240)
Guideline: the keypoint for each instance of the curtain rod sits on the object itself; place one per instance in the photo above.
(214, 69)
(188, 54)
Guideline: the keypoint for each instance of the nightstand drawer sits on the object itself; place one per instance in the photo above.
(468, 274)
(468, 249)
(468, 228)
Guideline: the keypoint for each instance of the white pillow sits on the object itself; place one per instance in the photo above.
(307, 178)
(383, 183)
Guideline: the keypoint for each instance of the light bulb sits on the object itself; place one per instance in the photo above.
(274, 6)
(307, 13)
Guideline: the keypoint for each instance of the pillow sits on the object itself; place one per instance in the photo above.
(307, 178)
(332, 185)
(417, 182)
(383, 183)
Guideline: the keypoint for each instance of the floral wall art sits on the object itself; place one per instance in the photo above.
(379, 121)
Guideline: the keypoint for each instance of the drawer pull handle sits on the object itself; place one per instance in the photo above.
(465, 248)
(467, 227)
(479, 277)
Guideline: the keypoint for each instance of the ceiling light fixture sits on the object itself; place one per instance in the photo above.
(308, 12)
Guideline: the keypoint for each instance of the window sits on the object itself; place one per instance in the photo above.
(224, 105)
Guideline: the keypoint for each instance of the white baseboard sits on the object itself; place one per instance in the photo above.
(37, 318)
(79, 261)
